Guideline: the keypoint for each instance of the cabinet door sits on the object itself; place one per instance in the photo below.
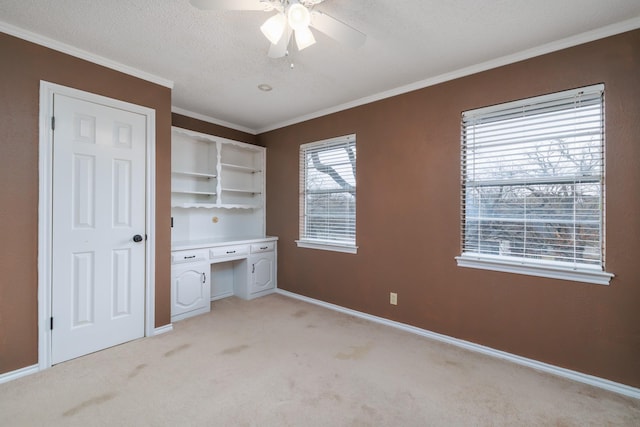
(191, 288)
(262, 272)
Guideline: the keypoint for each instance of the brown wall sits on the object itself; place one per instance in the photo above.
(408, 209)
(22, 66)
(196, 125)
(408, 214)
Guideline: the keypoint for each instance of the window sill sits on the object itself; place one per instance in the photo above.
(326, 246)
(550, 271)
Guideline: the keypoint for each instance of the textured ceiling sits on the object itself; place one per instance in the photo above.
(217, 59)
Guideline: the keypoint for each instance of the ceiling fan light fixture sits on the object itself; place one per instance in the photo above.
(273, 28)
(298, 17)
(304, 38)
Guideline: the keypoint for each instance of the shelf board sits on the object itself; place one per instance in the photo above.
(214, 206)
(195, 174)
(200, 193)
(240, 190)
(194, 205)
(238, 206)
(239, 168)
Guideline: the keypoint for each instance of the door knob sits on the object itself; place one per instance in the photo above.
(137, 238)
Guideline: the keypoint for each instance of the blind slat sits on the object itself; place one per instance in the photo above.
(328, 190)
(532, 178)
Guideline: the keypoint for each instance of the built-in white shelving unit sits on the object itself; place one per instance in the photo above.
(214, 172)
(219, 246)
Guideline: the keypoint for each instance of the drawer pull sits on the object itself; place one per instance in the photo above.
(264, 247)
(189, 257)
(231, 252)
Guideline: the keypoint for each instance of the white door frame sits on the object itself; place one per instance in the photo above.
(47, 91)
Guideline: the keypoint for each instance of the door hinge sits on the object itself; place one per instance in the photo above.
(53, 123)
(51, 323)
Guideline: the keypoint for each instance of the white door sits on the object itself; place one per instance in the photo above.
(98, 270)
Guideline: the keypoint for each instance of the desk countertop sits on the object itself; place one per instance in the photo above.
(217, 241)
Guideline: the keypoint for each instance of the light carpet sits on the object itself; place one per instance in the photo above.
(277, 361)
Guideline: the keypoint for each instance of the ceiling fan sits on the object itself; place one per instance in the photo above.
(293, 17)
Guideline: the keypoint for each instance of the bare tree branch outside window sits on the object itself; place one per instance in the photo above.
(330, 192)
(533, 185)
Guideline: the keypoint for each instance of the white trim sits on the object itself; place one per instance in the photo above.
(594, 276)
(44, 224)
(18, 373)
(82, 54)
(47, 91)
(163, 329)
(610, 30)
(328, 243)
(528, 106)
(602, 383)
(150, 208)
(34, 369)
(589, 36)
(213, 120)
(349, 249)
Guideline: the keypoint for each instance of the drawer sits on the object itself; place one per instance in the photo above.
(262, 247)
(179, 257)
(229, 251)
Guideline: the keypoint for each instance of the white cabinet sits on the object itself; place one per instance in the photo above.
(217, 188)
(219, 246)
(213, 172)
(194, 171)
(242, 175)
(262, 273)
(190, 284)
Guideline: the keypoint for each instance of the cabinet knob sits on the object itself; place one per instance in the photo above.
(137, 238)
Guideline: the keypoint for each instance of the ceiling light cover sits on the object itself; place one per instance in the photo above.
(273, 28)
(304, 38)
(298, 16)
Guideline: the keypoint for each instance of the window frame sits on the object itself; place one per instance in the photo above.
(304, 241)
(580, 272)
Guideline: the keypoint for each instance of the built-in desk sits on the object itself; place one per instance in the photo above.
(210, 269)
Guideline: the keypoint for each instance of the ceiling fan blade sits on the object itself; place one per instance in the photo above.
(231, 4)
(337, 30)
(280, 49)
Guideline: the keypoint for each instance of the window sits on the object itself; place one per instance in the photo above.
(328, 194)
(533, 186)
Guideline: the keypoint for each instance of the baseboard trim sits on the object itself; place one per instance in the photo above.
(602, 383)
(18, 373)
(28, 370)
(163, 329)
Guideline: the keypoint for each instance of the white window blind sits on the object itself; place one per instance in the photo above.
(328, 192)
(533, 181)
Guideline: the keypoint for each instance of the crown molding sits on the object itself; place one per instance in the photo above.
(82, 54)
(213, 120)
(589, 36)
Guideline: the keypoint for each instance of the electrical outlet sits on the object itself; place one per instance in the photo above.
(393, 298)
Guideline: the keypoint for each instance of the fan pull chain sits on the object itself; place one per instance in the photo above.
(291, 65)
